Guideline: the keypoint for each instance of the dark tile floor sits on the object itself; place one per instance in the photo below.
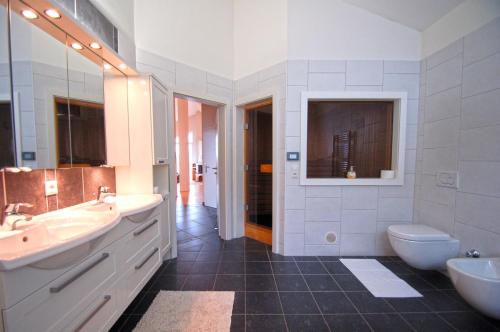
(278, 293)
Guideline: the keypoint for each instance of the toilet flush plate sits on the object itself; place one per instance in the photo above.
(447, 179)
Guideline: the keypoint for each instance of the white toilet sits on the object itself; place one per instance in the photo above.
(422, 246)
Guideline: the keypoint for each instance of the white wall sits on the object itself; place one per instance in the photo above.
(3, 35)
(359, 215)
(260, 35)
(459, 131)
(464, 19)
(331, 29)
(197, 33)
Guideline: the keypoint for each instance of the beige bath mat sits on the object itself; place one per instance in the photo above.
(188, 311)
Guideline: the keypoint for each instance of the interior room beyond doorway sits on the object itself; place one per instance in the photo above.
(196, 151)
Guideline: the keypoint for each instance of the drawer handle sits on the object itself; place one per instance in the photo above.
(145, 228)
(94, 312)
(141, 264)
(59, 288)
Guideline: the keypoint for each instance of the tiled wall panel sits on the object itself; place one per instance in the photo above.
(460, 132)
(358, 215)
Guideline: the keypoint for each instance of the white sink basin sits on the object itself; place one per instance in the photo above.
(132, 204)
(53, 233)
(477, 280)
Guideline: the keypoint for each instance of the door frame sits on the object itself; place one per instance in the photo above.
(223, 159)
(278, 106)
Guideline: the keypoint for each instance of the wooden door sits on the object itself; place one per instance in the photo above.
(259, 172)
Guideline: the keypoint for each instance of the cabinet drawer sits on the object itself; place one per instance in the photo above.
(139, 271)
(100, 315)
(51, 307)
(138, 238)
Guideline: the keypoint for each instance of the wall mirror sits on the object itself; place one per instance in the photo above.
(59, 112)
(7, 148)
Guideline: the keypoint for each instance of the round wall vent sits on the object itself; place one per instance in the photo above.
(331, 237)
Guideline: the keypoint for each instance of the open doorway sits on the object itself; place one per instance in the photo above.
(196, 138)
(258, 146)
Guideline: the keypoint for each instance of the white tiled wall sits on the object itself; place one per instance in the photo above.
(459, 131)
(184, 78)
(358, 215)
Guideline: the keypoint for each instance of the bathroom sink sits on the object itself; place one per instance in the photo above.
(24, 241)
(53, 233)
(68, 231)
(132, 204)
(477, 280)
(56, 232)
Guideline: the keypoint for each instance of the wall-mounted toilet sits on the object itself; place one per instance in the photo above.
(422, 246)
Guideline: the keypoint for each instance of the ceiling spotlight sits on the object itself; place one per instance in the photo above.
(29, 14)
(95, 45)
(77, 46)
(123, 66)
(52, 13)
(107, 66)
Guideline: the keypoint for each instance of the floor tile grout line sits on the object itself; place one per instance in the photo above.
(314, 298)
(399, 314)
(279, 297)
(245, 271)
(443, 319)
(350, 301)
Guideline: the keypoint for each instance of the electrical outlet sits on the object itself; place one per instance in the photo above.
(50, 187)
(447, 179)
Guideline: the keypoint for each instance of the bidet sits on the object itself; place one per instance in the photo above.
(477, 280)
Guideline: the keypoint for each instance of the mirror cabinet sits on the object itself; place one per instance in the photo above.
(54, 112)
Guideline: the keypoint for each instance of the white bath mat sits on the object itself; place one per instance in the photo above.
(188, 311)
(378, 279)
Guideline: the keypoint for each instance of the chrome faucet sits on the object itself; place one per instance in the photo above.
(102, 192)
(13, 210)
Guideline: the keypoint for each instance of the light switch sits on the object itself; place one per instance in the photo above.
(447, 179)
(295, 171)
(50, 187)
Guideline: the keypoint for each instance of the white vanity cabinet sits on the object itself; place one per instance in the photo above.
(152, 153)
(93, 293)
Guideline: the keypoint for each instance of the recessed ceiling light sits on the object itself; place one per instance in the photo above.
(123, 66)
(29, 14)
(95, 45)
(107, 66)
(52, 13)
(77, 46)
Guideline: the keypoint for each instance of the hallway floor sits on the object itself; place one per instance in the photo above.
(278, 293)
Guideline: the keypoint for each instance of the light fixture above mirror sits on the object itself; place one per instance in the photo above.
(29, 14)
(77, 46)
(52, 13)
(95, 45)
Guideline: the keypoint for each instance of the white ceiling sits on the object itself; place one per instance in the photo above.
(416, 14)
